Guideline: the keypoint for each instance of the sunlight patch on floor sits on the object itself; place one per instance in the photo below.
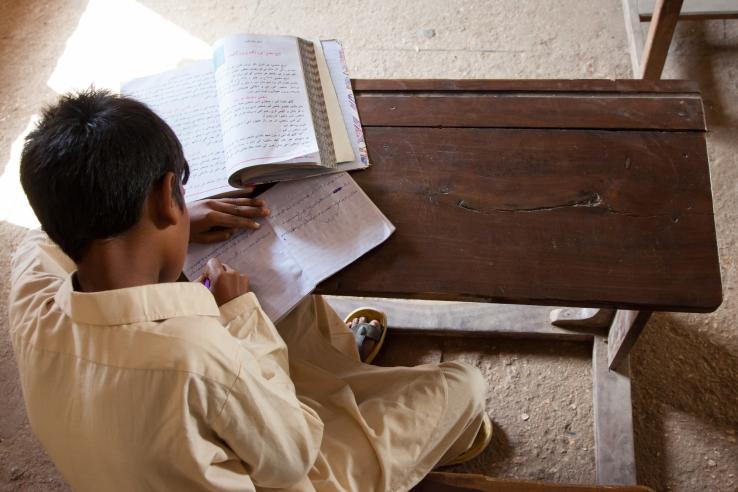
(14, 206)
(113, 42)
(118, 41)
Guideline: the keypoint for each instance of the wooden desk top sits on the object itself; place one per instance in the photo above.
(574, 193)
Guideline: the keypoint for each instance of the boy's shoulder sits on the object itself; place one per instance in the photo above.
(196, 344)
(122, 331)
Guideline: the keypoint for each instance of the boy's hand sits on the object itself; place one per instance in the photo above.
(216, 219)
(225, 282)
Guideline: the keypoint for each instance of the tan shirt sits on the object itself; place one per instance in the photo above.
(156, 388)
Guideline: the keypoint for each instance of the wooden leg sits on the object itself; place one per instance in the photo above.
(624, 331)
(663, 22)
(613, 419)
(585, 319)
(694, 9)
(634, 34)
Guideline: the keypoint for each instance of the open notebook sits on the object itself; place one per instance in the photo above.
(263, 109)
(316, 227)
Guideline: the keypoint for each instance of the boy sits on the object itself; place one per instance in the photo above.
(134, 381)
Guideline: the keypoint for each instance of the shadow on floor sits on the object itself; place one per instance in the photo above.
(676, 370)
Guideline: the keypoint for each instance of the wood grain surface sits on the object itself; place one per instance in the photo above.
(660, 87)
(541, 111)
(464, 482)
(552, 216)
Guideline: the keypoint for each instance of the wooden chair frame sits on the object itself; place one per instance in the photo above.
(648, 58)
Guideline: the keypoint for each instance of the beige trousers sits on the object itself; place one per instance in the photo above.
(465, 385)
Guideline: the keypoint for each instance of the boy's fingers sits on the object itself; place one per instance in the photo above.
(213, 269)
(223, 219)
(253, 202)
(215, 236)
(240, 210)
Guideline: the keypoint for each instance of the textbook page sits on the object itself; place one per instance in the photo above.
(264, 105)
(186, 99)
(316, 227)
(274, 276)
(326, 223)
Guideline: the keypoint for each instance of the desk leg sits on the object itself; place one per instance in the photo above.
(613, 411)
(663, 23)
(624, 331)
(648, 58)
(613, 419)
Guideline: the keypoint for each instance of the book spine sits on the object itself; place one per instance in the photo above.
(317, 104)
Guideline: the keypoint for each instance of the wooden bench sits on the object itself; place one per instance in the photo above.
(468, 482)
(591, 194)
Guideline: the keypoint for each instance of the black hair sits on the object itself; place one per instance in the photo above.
(89, 165)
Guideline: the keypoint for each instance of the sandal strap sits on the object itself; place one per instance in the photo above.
(362, 331)
(368, 330)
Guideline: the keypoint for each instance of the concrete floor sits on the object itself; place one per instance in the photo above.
(685, 381)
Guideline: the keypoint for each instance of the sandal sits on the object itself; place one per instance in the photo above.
(484, 436)
(362, 331)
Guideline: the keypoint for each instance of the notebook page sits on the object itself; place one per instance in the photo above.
(316, 227)
(326, 222)
(186, 99)
(264, 108)
(274, 276)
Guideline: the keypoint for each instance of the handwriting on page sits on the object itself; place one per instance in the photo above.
(227, 251)
(316, 227)
(274, 277)
(186, 99)
(320, 203)
(325, 222)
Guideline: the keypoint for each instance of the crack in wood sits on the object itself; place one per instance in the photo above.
(592, 200)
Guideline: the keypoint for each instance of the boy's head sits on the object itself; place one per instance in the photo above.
(97, 166)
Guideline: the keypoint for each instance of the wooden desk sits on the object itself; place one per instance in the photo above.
(580, 193)
(590, 193)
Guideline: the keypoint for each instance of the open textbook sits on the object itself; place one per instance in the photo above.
(263, 109)
(316, 227)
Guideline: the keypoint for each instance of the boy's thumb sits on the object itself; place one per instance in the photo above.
(214, 269)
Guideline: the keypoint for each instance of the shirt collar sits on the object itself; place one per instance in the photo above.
(136, 304)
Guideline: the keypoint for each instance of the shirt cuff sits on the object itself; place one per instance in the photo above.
(238, 306)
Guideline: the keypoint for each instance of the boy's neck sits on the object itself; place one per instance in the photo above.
(117, 263)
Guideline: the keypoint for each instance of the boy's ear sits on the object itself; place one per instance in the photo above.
(165, 208)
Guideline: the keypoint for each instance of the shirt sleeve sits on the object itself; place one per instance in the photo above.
(262, 420)
(38, 266)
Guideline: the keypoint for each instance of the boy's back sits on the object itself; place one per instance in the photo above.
(135, 381)
(141, 377)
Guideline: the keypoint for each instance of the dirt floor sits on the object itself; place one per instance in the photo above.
(685, 367)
